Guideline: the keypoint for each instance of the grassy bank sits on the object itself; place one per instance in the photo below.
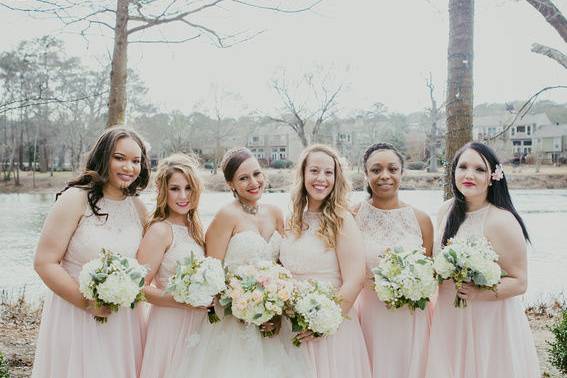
(19, 323)
(524, 177)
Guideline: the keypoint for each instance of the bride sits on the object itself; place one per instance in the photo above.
(242, 232)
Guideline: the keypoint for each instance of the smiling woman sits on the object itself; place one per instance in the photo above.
(96, 210)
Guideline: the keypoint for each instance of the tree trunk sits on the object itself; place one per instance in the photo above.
(118, 74)
(459, 104)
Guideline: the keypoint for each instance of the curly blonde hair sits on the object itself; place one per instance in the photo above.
(187, 166)
(333, 208)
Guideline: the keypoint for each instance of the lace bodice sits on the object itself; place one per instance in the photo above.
(308, 257)
(249, 246)
(472, 227)
(382, 229)
(181, 246)
(121, 232)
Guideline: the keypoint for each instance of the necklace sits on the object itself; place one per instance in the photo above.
(250, 209)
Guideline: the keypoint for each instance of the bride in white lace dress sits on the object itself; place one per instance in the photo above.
(243, 232)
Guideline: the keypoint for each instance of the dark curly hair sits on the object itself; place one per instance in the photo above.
(96, 172)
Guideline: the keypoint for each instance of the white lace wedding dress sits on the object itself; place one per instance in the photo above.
(232, 349)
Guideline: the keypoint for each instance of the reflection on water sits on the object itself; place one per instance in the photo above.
(544, 211)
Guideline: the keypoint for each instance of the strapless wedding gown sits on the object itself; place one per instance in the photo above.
(232, 349)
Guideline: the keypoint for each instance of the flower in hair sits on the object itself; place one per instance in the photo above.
(498, 173)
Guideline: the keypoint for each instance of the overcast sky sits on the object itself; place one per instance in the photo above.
(387, 49)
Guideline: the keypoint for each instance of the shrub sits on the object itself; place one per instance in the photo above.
(209, 165)
(416, 165)
(281, 164)
(4, 373)
(558, 347)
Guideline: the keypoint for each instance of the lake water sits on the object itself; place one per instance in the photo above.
(544, 211)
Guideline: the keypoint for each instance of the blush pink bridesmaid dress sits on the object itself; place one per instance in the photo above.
(344, 353)
(486, 339)
(71, 343)
(396, 339)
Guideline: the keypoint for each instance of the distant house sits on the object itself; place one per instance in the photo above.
(522, 133)
(551, 143)
(509, 142)
(274, 142)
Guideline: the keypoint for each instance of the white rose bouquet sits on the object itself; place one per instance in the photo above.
(113, 281)
(404, 277)
(314, 306)
(471, 260)
(256, 293)
(197, 280)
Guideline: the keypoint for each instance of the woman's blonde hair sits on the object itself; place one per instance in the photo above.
(333, 207)
(187, 166)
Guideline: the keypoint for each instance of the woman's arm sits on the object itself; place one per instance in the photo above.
(426, 228)
(57, 231)
(351, 259)
(140, 209)
(218, 234)
(154, 245)
(505, 234)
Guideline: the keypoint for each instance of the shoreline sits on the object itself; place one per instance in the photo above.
(19, 324)
(280, 180)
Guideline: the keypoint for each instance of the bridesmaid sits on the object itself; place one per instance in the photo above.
(490, 337)
(325, 244)
(396, 339)
(99, 209)
(173, 232)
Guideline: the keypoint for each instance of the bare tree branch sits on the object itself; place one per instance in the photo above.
(552, 53)
(37, 101)
(524, 109)
(552, 15)
(278, 9)
(166, 41)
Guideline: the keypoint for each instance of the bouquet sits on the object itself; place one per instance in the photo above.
(113, 281)
(404, 277)
(471, 260)
(256, 293)
(314, 306)
(197, 280)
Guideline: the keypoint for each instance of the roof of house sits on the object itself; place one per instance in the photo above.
(551, 131)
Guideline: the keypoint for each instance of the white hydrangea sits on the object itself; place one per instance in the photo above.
(118, 289)
(323, 314)
(112, 280)
(315, 307)
(443, 267)
(469, 260)
(404, 277)
(86, 284)
(197, 281)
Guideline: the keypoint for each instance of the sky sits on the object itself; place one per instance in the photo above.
(383, 49)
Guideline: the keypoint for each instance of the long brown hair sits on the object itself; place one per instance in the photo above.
(187, 166)
(96, 172)
(333, 207)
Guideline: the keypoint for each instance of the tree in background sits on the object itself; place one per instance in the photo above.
(308, 102)
(126, 18)
(459, 102)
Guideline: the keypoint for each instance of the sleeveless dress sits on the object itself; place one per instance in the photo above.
(396, 339)
(486, 339)
(344, 353)
(170, 329)
(70, 342)
(230, 348)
